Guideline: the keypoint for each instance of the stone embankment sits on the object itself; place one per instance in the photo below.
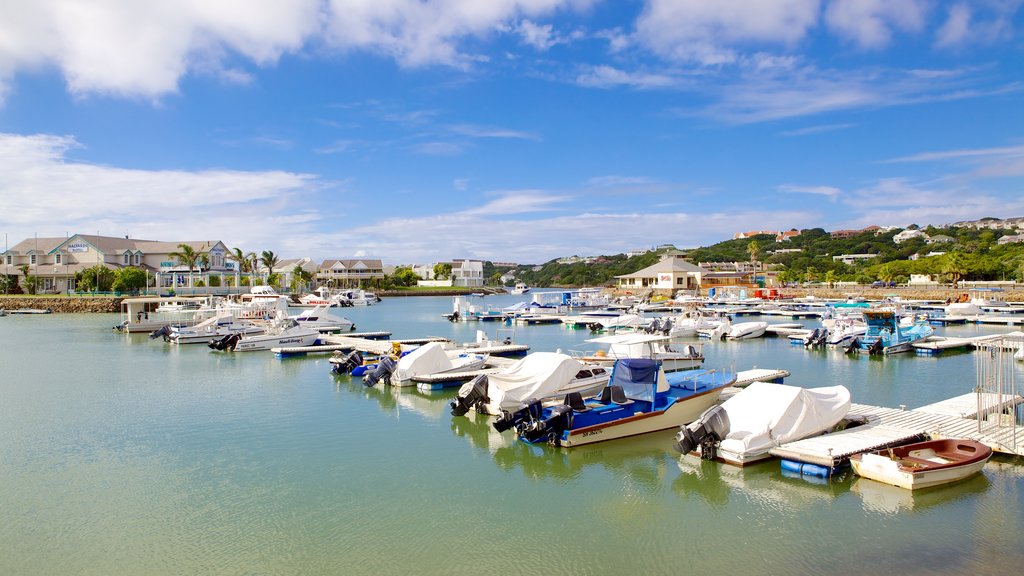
(74, 304)
(940, 294)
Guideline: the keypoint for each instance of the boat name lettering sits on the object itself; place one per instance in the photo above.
(592, 433)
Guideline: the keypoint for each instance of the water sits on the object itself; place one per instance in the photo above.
(121, 455)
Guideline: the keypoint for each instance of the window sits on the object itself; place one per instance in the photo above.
(138, 258)
(32, 259)
(127, 258)
(57, 258)
(10, 259)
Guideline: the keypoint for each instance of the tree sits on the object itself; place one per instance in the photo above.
(300, 278)
(811, 274)
(754, 248)
(830, 278)
(129, 279)
(187, 256)
(97, 278)
(254, 267)
(404, 276)
(29, 281)
(443, 271)
(269, 261)
(955, 267)
(241, 261)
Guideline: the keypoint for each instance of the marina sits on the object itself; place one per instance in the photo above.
(188, 443)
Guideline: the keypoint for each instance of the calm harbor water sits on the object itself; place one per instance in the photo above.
(122, 455)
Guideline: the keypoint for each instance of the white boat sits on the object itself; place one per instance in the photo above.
(284, 332)
(640, 398)
(520, 288)
(357, 297)
(746, 330)
(746, 426)
(321, 318)
(140, 314)
(673, 357)
(923, 464)
(208, 330)
(432, 359)
(843, 331)
(541, 376)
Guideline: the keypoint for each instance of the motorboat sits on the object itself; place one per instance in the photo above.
(284, 332)
(923, 464)
(541, 375)
(886, 334)
(520, 288)
(673, 357)
(149, 313)
(321, 297)
(618, 323)
(747, 330)
(431, 359)
(746, 426)
(843, 331)
(357, 297)
(321, 318)
(639, 398)
(208, 330)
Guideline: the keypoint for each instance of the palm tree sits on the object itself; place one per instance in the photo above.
(238, 257)
(269, 261)
(254, 267)
(187, 256)
(955, 267)
(755, 250)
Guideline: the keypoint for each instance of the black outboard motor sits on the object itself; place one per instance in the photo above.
(385, 368)
(226, 343)
(476, 394)
(707, 431)
(164, 331)
(666, 327)
(654, 327)
(348, 363)
(853, 346)
(550, 428)
(876, 347)
(531, 410)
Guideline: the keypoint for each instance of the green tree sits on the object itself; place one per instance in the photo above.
(443, 270)
(830, 278)
(241, 260)
(300, 279)
(269, 260)
(754, 249)
(129, 279)
(811, 274)
(214, 281)
(98, 278)
(955, 267)
(186, 256)
(404, 276)
(30, 281)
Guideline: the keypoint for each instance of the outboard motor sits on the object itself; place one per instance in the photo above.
(531, 410)
(385, 368)
(164, 331)
(654, 327)
(707, 431)
(475, 394)
(550, 428)
(666, 328)
(348, 363)
(876, 347)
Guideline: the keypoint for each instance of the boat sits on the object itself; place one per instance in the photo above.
(431, 359)
(843, 331)
(743, 428)
(520, 288)
(672, 357)
(284, 332)
(321, 297)
(357, 297)
(149, 313)
(747, 330)
(321, 318)
(886, 334)
(30, 311)
(541, 375)
(923, 464)
(639, 398)
(208, 330)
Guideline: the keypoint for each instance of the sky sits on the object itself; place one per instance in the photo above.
(416, 131)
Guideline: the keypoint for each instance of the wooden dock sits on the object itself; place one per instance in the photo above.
(952, 418)
(745, 378)
(364, 342)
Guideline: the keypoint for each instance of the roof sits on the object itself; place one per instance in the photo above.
(353, 263)
(39, 245)
(710, 275)
(665, 265)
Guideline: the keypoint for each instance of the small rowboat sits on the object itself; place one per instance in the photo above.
(923, 464)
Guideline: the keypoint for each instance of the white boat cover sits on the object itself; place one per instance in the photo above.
(764, 415)
(429, 358)
(538, 375)
(743, 328)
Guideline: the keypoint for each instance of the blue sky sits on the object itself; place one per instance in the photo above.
(511, 130)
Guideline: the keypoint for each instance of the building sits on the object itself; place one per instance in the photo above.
(741, 235)
(349, 273)
(720, 280)
(467, 273)
(55, 261)
(787, 250)
(637, 252)
(845, 233)
(939, 239)
(1011, 239)
(907, 235)
(922, 280)
(285, 270)
(851, 258)
(786, 235)
(729, 266)
(671, 272)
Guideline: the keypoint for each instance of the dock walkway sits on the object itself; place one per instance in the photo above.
(952, 418)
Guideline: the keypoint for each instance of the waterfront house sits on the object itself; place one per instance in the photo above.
(55, 261)
(349, 273)
(672, 273)
(467, 273)
(907, 235)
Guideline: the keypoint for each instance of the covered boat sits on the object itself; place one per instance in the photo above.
(745, 427)
(640, 398)
(634, 345)
(432, 359)
(540, 376)
(923, 464)
(744, 330)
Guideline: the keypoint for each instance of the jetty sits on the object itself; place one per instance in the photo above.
(968, 416)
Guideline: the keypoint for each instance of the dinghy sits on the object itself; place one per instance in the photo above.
(923, 464)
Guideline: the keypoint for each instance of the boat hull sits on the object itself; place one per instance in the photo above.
(923, 465)
(678, 414)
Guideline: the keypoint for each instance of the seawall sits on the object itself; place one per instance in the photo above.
(63, 304)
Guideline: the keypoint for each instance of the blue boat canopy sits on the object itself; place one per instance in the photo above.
(637, 377)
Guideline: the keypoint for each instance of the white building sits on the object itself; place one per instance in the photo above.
(907, 235)
(467, 273)
(851, 258)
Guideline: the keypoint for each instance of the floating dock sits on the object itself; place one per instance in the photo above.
(952, 418)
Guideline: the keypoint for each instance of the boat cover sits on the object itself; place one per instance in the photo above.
(429, 358)
(538, 375)
(765, 415)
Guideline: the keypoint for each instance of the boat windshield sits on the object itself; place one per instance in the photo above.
(637, 377)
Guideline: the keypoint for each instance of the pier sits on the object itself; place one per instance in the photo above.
(956, 417)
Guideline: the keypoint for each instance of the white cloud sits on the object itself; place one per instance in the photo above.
(957, 26)
(707, 32)
(999, 152)
(604, 76)
(820, 129)
(517, 202)
(871, 23)
(540, 36)
(829, 191)
(42, 186)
